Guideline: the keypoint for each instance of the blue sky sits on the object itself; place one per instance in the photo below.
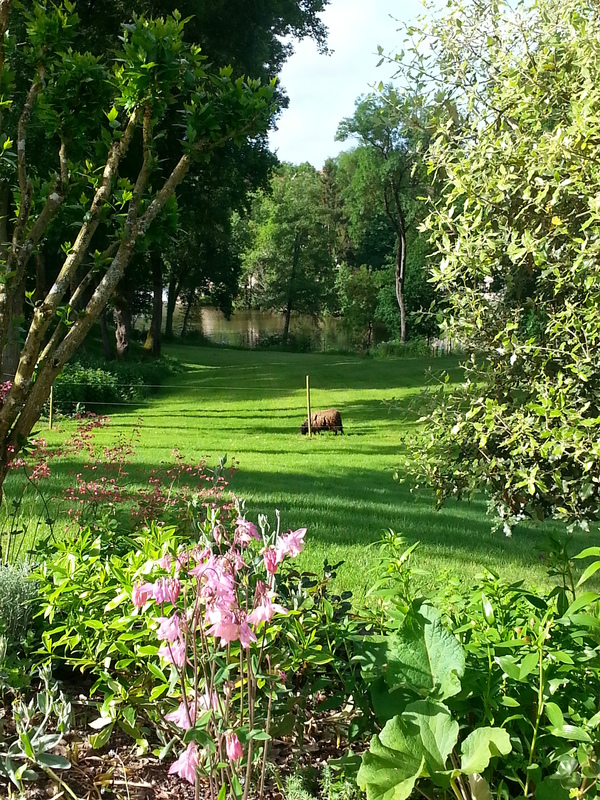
(322, 89)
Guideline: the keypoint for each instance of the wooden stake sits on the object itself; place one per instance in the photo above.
(308, 405)
(51, 414)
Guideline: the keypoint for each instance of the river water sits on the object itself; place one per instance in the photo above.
(246, 328)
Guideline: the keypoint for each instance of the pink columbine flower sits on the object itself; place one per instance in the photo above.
(168, 629)
(173, 652)
(265, 608)
(165, 562)
(141, 593)
(247, 635)
(271, 559)
(187, 764)
(291, 543)
(166, 590)
(224, 625)
(246, 531)
(208, 700)
(233, 747)
(181, 717)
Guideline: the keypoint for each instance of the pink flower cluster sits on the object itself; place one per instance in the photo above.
(290, 544)
(228, 603)
(4, 390)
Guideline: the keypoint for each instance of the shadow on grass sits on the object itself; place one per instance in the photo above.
(354, 508)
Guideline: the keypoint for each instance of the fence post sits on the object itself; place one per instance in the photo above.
(308, 405)
(51, 414)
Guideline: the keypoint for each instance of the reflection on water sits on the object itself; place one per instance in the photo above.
(248, 328)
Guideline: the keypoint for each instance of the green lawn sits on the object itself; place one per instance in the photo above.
(250, 405)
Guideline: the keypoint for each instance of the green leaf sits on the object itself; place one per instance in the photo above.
(53, 761)
(572, 733)
(550, 789)
(480, 746)
(585, 599)
(588, 572)
(416, 744)
(528, 664)
(555, 715)
(98, 740)
(425, 656)
(381, 776)
(26, 745)
(488, 611)
(115, 602)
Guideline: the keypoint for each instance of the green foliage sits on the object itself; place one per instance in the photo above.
(94, 381)
(288, 263)
(358, 292)
(29, 750)
(78, 190)
(503, 678)
(18, 593)
(425, 660)
(517, 236)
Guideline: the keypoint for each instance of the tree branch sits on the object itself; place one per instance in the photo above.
(45, 312)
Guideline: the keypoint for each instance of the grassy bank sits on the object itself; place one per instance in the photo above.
(250, 405)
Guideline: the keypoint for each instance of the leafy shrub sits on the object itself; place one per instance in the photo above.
(410, 349)
(296, 342)
(18, 593)
(497, 689)
(92, 381)
(297, 664)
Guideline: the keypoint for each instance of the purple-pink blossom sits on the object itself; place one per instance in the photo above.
(173, 652)
(271, 559)
(264, 608)
(168, 628)
(166, 590)
(141, 593)
(187, 764)
(224, 625)
(245, 531)
(247, 635)
(181, 716)
(233, 747)
(291, 543)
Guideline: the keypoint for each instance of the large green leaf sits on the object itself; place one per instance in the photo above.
(417, 744)
(480, 746)
(425, 656)
(550, 789)
(437, 731)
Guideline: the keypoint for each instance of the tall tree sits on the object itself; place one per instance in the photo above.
(392, 135)
(518, 233)
(255, 39)
(289, 259)
(103, 122)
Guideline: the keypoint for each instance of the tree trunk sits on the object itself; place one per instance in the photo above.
(107, 349)
(290, 298)
(174, 289)
(186, 316)
(12, 349)
(123, 328)
(153, 343)
(398, 221)
(400, 275)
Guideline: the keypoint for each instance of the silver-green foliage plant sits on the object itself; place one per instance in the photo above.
(17, 595)
(517, 237)
(421, 741)
(29, 752)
